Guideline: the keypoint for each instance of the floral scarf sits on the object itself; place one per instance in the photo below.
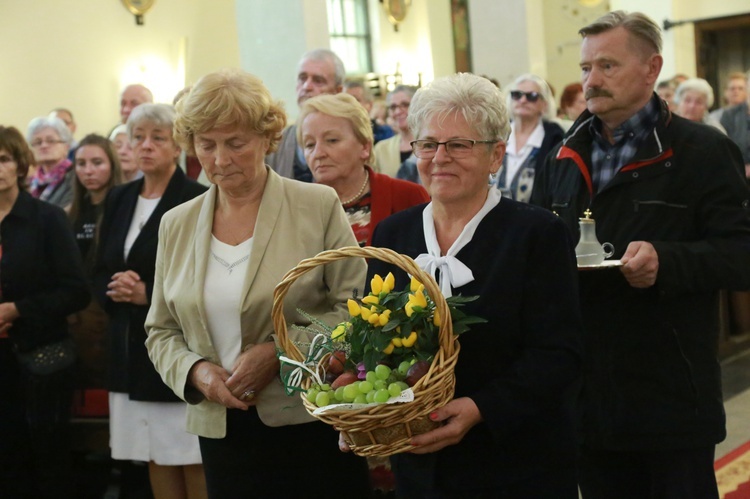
(44, 184)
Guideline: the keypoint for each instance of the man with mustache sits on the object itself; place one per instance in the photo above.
(668, 193)
(320, 71)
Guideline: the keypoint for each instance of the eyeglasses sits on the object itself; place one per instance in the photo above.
(403, 105)
(456, 148)
(530, 96)
(49, 142)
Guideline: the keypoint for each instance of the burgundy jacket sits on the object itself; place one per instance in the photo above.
(390, 195)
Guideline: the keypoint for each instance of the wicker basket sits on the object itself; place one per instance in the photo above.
(383, 429)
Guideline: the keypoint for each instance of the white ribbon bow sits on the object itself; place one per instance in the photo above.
(453, 272)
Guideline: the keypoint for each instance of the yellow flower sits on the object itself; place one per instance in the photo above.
(371, 300)
(415, 300)
(376, 284)
(389, 349)
(409, 342)
(436, 318)
(339, 334)
(409, 308)
(373, 319)
(414, 285)
(354, 309)
(365, 313)
(385, 317)
(397, 341)
(389, 283)
(419, 299)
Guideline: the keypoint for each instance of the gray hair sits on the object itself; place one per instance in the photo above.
(53, 122)
(157, 114)
(638, 25)
(327, 56)
(406, 89)
(697, 85)
(366, 92)
(546, 93)
(118, 130)
(474, 97)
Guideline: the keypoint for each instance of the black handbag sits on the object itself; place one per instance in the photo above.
(50, 358)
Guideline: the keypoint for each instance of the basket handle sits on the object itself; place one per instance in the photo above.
(446, 338)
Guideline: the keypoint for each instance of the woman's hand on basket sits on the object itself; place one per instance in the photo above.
(254, 369)
(458, 416)
(210, 379)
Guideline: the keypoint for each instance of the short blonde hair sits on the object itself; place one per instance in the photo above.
(340, 106)
(228, 98)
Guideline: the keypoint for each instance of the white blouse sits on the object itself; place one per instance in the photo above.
(222, 296)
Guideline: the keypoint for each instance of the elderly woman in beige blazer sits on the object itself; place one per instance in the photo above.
(210, 333)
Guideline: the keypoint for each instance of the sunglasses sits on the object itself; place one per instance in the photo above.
(530, 96)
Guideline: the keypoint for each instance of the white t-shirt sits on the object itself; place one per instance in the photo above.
(516, 158)
(143, 210)
(222, 295)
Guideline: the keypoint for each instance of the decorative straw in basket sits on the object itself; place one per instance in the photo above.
(382, 429)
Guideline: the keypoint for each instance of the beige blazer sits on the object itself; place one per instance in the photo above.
(388, 156)
(296, 220)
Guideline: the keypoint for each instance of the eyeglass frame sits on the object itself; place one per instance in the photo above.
(530, 96)
(39, 142)
(445, 145)
(403, 106)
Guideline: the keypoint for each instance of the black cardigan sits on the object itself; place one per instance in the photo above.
(40, 271)
(522, 367)
(130, 368)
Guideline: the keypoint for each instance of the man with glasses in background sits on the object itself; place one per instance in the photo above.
(668, 194)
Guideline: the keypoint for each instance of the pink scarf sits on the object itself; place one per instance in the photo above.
(44, 184)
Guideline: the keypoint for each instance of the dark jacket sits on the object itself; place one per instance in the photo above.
(131, 371)
(519, 187)
(520, 368)
(41, 271)
(735, 122)
(651, 377)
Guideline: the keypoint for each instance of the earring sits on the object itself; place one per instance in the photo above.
(493, 175)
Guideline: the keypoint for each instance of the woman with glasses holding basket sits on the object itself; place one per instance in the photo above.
(532, 136)
(509, 430)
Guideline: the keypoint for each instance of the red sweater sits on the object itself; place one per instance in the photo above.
(390, 195)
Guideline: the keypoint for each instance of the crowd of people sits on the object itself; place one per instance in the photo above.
(600, 382)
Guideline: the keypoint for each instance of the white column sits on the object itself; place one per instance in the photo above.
(273, 35)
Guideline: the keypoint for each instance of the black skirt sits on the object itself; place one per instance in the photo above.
(259, 461)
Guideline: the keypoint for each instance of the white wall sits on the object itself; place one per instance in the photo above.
(80, 53)
(499, 35)
(273, 35)
(562, 20)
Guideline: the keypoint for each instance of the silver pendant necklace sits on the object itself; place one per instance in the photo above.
(229, 266)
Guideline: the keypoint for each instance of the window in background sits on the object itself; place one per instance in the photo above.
(350, 34)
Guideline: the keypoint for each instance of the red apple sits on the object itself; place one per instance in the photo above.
(336, 362)
(345, 378)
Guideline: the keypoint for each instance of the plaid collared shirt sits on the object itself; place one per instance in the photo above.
(606, 158)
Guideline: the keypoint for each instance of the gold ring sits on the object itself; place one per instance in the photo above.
(249, 394)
